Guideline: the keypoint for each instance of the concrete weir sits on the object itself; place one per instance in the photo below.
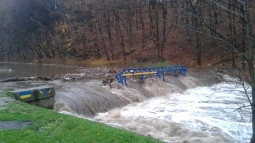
(41, 96)
(91, 97)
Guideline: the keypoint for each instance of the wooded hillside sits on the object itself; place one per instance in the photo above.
(182, 31)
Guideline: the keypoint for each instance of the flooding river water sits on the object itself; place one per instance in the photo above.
(196, 115)
(198, 108)
(12, 69)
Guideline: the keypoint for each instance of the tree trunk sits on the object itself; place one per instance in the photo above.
(231, 34)
(164, 34)
(253, 113)
(102, 37)
(143, 33)
(129, 33)
(199, 48)
(250, 56)
(110, 36)
(120, 37)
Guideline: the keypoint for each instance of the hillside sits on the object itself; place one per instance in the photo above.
(198, 34)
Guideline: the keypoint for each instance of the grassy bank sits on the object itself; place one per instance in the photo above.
(50, 126)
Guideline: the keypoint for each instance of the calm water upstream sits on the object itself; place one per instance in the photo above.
(11, 69)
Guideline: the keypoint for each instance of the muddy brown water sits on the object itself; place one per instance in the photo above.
(9, 70)
(89, 97)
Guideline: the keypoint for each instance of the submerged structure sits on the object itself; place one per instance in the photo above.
(158, 72)
(42, 96)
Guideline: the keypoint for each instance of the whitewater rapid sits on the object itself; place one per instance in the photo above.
(201, 114)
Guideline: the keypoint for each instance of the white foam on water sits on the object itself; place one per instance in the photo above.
(202, 114)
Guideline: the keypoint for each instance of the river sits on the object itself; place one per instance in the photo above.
(198, 115)
(13, 69)
(202, 107)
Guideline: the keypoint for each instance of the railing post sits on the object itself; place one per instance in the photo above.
(125, 80)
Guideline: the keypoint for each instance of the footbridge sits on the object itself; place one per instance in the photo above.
(158, 72)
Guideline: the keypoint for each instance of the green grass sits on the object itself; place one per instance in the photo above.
(50, 126)
(5, 94)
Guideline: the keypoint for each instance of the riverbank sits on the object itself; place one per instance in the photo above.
(21, 122)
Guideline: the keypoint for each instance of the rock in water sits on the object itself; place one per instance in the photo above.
(107, 81)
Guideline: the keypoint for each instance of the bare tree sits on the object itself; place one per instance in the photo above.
(246, 50)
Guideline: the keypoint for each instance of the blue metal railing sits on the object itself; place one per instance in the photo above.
(159, 72)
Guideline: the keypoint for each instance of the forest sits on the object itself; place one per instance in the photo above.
(189, 32)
